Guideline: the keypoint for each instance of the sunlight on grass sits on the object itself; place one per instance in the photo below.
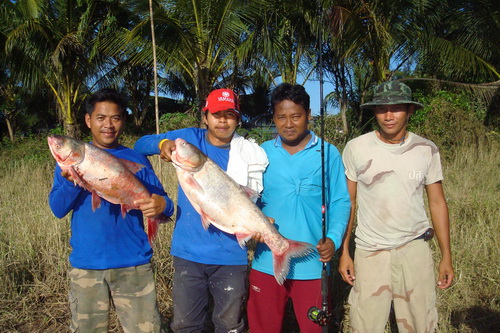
(34, 245)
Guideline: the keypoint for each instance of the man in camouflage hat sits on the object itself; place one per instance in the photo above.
(386, 171)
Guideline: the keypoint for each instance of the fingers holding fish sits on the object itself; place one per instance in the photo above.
(257, 236)
(66, 174)
(153, 206)
(166, 149)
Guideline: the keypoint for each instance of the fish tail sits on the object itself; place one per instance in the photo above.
(281, 262)
(153, 224)
(152, 229)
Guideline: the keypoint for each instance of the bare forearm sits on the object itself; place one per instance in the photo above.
(441, 225)
(440, 218)
(352, 188)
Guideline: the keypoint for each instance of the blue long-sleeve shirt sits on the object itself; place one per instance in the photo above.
(189, 240)
(104, 239)
(292, 196)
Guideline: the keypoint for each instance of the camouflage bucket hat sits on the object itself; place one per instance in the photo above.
(391, 92)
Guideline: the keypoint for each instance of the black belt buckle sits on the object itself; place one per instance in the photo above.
(428, 234)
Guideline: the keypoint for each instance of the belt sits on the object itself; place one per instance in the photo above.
(427, 235)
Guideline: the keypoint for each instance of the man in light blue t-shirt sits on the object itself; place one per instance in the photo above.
(293, 197)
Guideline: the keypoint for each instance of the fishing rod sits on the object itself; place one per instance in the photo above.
(322, 316)
(155, 66)
(155, 76)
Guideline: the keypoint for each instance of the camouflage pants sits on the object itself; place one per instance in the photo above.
(131, 289)
(404, 276)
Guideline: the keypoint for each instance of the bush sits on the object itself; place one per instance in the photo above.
(257, 134)
(173, 121)
(334, 132)
(449, 120)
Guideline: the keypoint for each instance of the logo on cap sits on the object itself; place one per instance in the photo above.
(226, 97)
(222, 99)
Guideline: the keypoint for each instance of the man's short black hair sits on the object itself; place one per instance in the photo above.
(293, 92)
(106, 95)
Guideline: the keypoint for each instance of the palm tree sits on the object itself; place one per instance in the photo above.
(463, 42)
(54, 44)
(371, 40)
(200, 43)
(287, 38)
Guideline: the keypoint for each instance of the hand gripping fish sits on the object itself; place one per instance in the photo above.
(222, 202)
(104, 175)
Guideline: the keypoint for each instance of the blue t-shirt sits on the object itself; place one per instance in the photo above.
(292, 196)
(104, 239)
(190, 241)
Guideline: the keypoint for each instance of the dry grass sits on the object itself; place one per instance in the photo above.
(34, 246)
(472, 188)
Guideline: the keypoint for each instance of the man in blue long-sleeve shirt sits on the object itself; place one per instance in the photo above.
(110, 255)
(293, 197)
(210, 262)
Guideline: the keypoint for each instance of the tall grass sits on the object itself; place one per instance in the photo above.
(34, 245)
(34, 250)
(472, 189)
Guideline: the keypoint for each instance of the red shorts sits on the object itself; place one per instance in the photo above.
(267, 302)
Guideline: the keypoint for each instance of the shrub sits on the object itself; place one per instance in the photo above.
(173, 121)
(449, 119)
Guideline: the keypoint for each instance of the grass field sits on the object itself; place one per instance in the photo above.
(34, 245)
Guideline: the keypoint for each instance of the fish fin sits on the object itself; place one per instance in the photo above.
(243, 239)
(205, 220)
(251, 193)
(281, 263)
(77, 180)
(132, 166)
(192, 182)
(124, 209)
(96, 201)
(162, 218)
(153, 224)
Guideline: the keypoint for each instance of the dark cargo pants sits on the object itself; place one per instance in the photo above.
(190, 291)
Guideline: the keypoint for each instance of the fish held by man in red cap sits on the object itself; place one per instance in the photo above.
(204, 258)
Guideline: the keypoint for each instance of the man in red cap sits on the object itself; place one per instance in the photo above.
(210, 261)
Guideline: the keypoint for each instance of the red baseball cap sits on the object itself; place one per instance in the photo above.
(222, 99)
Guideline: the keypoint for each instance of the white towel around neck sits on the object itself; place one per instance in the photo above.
(247, 162)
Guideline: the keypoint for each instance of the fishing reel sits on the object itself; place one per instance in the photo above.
(318, 316)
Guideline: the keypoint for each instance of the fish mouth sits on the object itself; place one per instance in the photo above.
(53, 142)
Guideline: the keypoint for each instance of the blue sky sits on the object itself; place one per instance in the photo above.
(313, 89)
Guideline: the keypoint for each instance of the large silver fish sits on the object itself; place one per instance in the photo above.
(222, 202)
(104, 175)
